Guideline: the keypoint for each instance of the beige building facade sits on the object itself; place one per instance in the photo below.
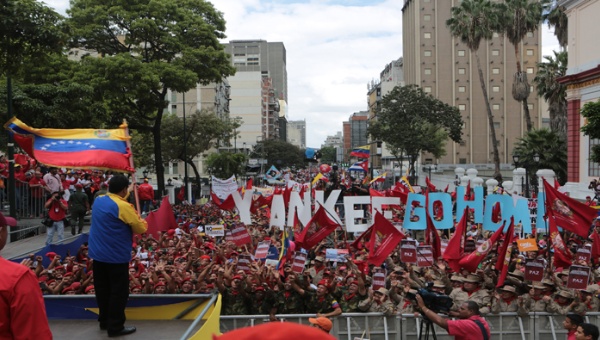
(443, 66)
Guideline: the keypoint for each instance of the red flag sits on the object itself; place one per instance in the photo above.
(471, 261)
(569, 214)
(227, 204)
(249, 183)
(318, 228)
(376, 193)
(297, 228)
(456, 245)
(430, 185)
(468, 191)
(398, 193)
(162, 219)
(364, 236)
(384, 238)
(556, 184)
(365, 165)
(181, 194)
(447, 186)
(496, 212)
(595, 244)
(433, 239)
(562, 255)
(505, 253)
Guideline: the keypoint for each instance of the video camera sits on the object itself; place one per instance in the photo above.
(438, 303)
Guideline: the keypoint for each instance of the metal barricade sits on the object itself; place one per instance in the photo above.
(375, 326)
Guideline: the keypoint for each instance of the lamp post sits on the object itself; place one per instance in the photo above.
(377, 151)
(525, 165)
(145, 173)
(428, 168)
(185, 169)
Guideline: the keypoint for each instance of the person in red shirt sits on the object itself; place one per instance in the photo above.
(57, 211)
(471, 325)
(22, 310)
(36, 185)
(572, 321)
(146, 192)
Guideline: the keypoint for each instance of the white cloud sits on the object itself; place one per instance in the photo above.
(333, 51)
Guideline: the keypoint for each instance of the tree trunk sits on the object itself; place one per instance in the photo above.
(527, 115)
(158, 162)
(490, 119)
(521, 89)
(198, 181)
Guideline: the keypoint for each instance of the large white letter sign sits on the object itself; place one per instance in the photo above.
(352, 214)
(243, 205)
(303, 208)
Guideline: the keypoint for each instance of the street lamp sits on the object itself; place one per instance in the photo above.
(145, 173)
(428, 168)
(525, 164)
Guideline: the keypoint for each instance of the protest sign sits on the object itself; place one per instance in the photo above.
(214, 230)
(424, 256)
(527, 244)
(238, 235)
(534, 270)
(408, 251)
(299, 263)
(583, 254)
(336, 255)
(578, 277)
(379, 278)
(262, 249)
(244, 261)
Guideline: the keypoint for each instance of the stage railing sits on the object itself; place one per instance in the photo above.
(374, 326)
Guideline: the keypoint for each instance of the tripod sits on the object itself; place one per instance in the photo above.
(428, 324)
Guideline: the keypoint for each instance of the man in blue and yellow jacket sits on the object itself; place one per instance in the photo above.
(114, 220)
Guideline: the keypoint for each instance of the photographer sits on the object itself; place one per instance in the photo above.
(57, 211)
(471, 325)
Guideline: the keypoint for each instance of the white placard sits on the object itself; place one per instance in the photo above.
(214, 230)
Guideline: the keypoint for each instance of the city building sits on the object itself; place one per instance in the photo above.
(296, 133)
(583, 86)
(337, 142)
(355, 132)
(445, 67)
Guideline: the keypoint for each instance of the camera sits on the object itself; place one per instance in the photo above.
(438, 303)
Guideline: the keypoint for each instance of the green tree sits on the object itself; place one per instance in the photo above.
(473, 21)
(519, 17)
(226, 164)
(328, 155)
(281, 154)
(554, 92)
(147, 48)
(591, 112)
(555, 16)
(551, 149)
(411, 121)
(202, 129)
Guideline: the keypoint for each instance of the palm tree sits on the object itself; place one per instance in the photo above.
(556, 17)
(471, 22)
(518, 17)
(554, 92)
(549, 146)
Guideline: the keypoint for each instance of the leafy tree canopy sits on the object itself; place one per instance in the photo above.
(328, 155)
(551, 149)
(226, 164)
(280, 154)
(591, 112)
(411, 121)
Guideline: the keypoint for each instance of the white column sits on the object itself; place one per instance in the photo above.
(477, 182)
(546, 174)
(459, 172)
(491, 184)
(519, 180)
(472, 173)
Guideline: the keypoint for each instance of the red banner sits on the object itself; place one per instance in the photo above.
(408, 251)
(578, 277)
(534, 270)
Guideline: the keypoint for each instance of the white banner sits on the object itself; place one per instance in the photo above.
(224, 187)
(214, 230)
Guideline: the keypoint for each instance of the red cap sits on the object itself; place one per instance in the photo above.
(171, 232)
(237, 277)
(88, 288)
(323, 283)
(7, 221)
(260, 288)
(205, 257)
(51, 255)
(78, 186)
(276, 331)
(158, 284)
(67, 289)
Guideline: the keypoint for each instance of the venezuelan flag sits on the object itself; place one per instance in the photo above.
(75, 148)
(361, 152)
(285, 244)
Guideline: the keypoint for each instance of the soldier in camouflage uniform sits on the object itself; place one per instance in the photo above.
(235, 298)
(471, 291)
(379, 302)
(286, 301)
(563, 303)
(261, 303)
(506, 300)
(350, 296)
(588, 300)
(320, 301)
(535, 301)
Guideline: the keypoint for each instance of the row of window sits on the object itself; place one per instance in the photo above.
(462, 53)
(428, 35)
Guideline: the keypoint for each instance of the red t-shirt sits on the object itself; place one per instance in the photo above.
(22, 310)
(467, 329)
(56, 212)
(37, 192)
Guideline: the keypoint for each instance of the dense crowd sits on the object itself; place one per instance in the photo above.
(187, 261)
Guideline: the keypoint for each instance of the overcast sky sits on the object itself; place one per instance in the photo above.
(334, 48)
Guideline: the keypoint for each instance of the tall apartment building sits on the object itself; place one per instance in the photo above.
(355, 132)
(443, 66)
(268, 60)
(296, 133)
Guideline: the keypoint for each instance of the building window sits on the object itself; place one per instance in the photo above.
(461, 53)
(462, 107)
(529, 34)
(496, 125)
(427, 35)
(495, 35)
(530, 70)
(495, 52)
(496, 106)
(463, 143)
(495, 70)
(253, 63)
(427, 71)
(530, 106)
(427, 17)
(427, 89)
(462, 161)
(239, 64)
(593, 168)
(427, 53)
(495, 88)
(252, 59)
(462, 71)
(529, 51)
(462, 89)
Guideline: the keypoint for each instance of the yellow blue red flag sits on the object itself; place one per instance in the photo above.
(75, 148)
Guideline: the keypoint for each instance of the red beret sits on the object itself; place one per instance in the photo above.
(51, 255)
(88, 288)
(158, 284)
(260, 288)
(205, 257)
(67, 289)
(323, 283)
(171, 232)
(237, 277)
(78, 186)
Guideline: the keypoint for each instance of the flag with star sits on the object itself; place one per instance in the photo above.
(75, 148)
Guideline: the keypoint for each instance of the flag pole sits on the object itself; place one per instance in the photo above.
(133, 179)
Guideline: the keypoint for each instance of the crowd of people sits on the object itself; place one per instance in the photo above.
(187, 260)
